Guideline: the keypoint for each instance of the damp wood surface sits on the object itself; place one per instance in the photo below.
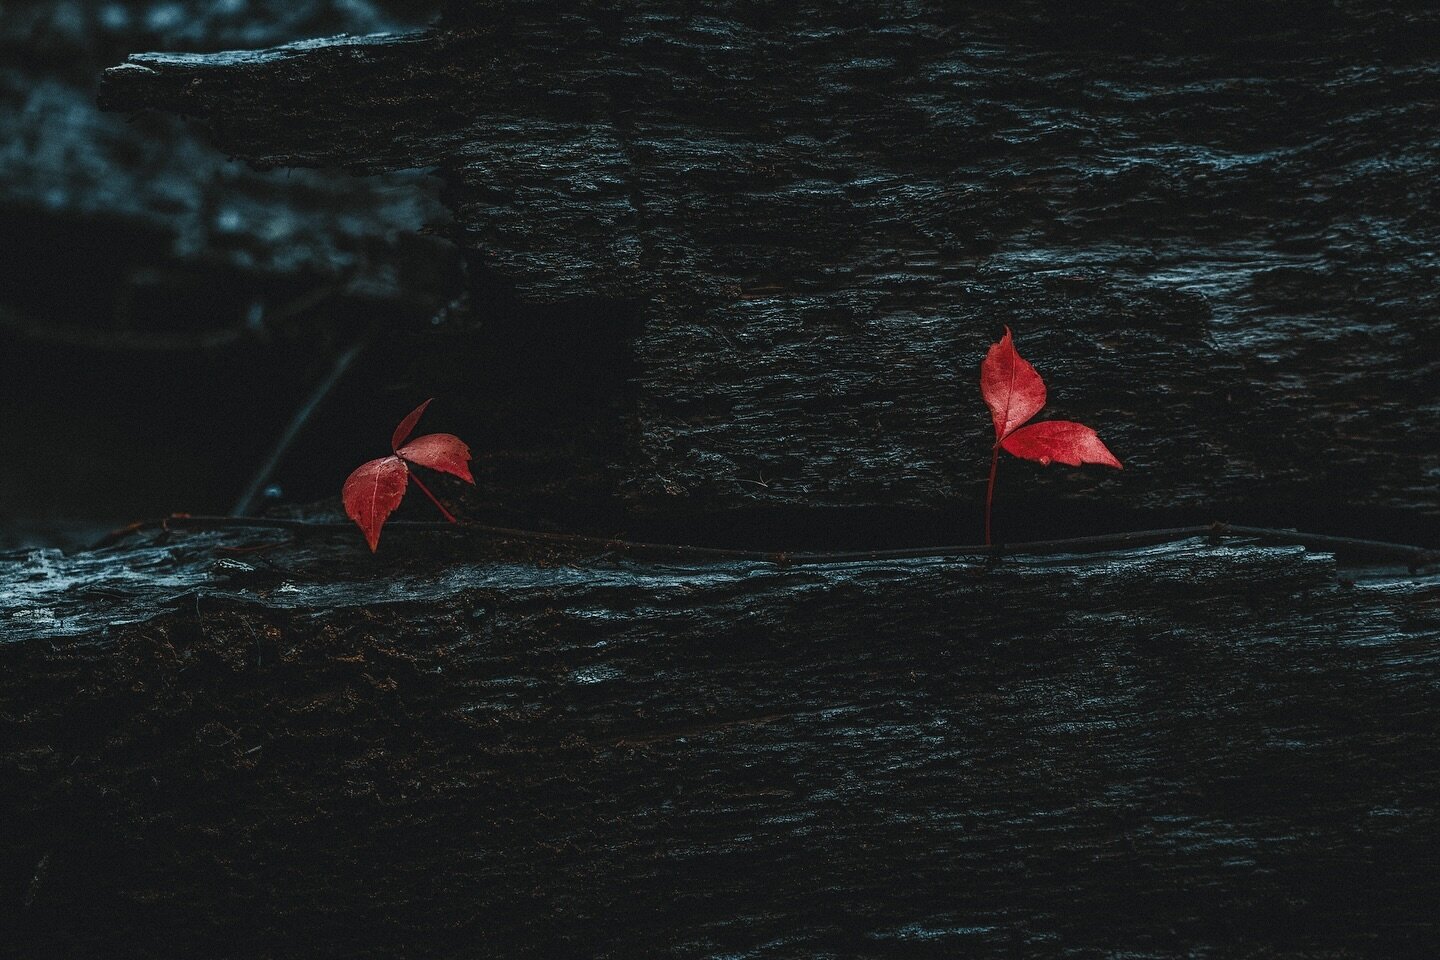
(727, 280)
(775, 239)
(507, 749)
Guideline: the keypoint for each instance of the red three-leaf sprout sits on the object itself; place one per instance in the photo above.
(1014, 393)
(376, 488)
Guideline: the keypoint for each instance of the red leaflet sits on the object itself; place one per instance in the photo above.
(1012, 389)
(439, 451)
(373, 492)
(376, 488)
(407, 426)
(1061, 441)
(1014, 393)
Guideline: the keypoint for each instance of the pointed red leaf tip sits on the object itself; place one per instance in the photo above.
(407, 426)
(372, 493)
(1012, 389)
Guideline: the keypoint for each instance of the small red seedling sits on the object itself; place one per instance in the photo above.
(376, 488)
(1014, 393)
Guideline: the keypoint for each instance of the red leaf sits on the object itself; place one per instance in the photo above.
(1012, 389)
(1059, 441)
(439, 451)
(373, 492)
(1014, 393)
(407, 426)
(376, 488)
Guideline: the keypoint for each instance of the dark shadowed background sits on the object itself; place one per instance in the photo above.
(164, 310)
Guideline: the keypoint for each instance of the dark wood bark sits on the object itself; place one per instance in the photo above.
(731, 277)
(1205, 234)
(532, 750)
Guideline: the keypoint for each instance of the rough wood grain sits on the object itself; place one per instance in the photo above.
(753, 257)
(1178, 750)
(1205, 232)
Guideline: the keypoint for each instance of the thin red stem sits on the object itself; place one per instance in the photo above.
(426, 490)
(990, 490)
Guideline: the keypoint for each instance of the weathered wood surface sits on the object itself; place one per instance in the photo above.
(1181, 750)
(735, 270)
(804, 223)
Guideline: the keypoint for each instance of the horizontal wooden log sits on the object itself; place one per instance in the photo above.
(209, 749)
(738, 268)
(805, 223)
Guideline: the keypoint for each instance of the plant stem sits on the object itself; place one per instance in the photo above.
(426, 490)
(990, 490)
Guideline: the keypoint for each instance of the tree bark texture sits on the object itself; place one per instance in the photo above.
(1189, 748)
(805, 223)
(730, 273)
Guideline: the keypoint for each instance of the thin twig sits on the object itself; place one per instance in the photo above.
(1408, 553)
(317, 397)
(297, 423)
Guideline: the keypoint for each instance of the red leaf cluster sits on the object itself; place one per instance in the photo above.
(376, 488)
(1014, 393)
